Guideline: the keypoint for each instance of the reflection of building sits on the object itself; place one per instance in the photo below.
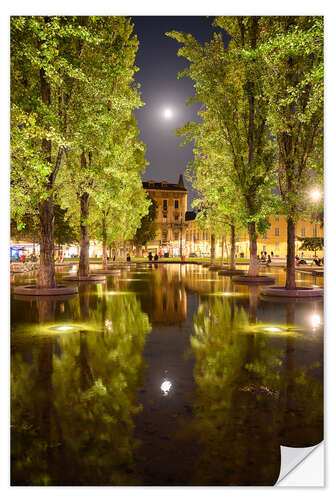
(166, 302)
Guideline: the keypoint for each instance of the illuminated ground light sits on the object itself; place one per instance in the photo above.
(283, 330)
(166, 387)
(225, 294)
(118, 292)
(131, 279)
(64, 328)
(272, 329)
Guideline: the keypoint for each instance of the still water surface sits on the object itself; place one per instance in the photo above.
(163, 375)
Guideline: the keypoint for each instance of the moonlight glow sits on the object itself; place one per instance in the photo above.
(167, 113)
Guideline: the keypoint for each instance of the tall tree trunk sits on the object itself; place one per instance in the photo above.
(138, 250)
(290, 276)
(105, 250)
(222, 250)
(254, 266)
(212, 248)
(84, 235)
(46, 276)
(233, 247)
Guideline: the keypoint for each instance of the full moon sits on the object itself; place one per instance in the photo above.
(167, 113)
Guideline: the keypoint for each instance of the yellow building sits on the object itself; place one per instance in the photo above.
(171, 202)
(178, 232)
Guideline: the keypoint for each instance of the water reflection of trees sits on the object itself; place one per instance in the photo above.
(72, 413)
(251, 396)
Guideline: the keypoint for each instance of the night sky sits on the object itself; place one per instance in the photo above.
(159, 65)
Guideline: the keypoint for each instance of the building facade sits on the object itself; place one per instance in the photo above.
(171, 202)
(178, 233)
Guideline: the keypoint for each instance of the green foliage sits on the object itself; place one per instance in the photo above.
(28, 229)
(311, 244)
(233, 165)
(148, 228)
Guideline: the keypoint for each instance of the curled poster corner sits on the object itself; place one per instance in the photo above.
(292, 457)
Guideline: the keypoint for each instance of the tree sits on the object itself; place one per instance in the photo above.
(64, 232)
(292, 69)
(148, 228)
(107, 157)
(45, 68)
(234, 115)
(311, 244)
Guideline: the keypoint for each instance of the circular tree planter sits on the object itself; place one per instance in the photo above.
(231, 272)
(299, 292)
(32, 290)
(107, 271)
(215, 268)
(258, 280)
(92, 277)
(48, 298)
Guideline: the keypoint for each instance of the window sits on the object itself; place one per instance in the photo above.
(303, 231)
(165, 204)
(277, 231)
(164, 235)
(176, 203)
(176, 216)
(176, 235)
(277, 218)
(314, 231)
(277, 245)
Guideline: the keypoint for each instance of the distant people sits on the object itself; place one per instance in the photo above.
(269, 260)
(150, 256)
(272, 253)
(317, 261)
(128, 258)
(61, 258)
(22, 258)
(155, 257)
(114, 258)
(160, 254)
(265, 253)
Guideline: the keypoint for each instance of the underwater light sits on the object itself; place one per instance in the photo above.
(63, 328)
(165, 387)
(315, 320)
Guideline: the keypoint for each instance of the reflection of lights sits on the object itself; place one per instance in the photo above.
(118, 292)
(165, 387)
(315, 320)
(108, 325)
(272, 329)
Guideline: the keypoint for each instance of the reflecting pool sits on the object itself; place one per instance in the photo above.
(163, 375)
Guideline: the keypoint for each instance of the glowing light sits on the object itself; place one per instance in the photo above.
(315, 320)
(167, 113)
(108, 325)
(315, 195)
(64, 328)
(165, 387)
(272, 329)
